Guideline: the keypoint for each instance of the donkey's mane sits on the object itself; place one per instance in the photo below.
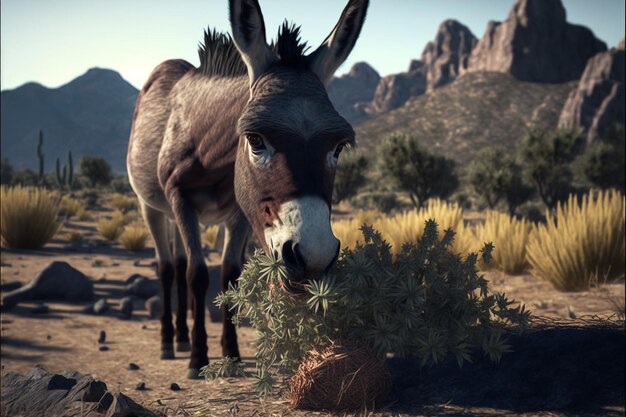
(219, 55)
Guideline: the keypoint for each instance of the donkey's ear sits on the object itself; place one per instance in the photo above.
(248, 29)
(325, 60)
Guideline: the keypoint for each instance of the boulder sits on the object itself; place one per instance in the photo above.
(58, 281)
(535, 43)
(394, 90)
(142, 287)
(126, 307)
(123, 406)
(598, 101)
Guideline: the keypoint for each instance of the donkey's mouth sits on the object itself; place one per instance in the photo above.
(295, 288)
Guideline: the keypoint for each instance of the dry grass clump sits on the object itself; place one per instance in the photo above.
(342, 376)
(134, 237)
(111, 228)
(583, 244)
(83, 215)
(69, 207)
(347, 231)
(28, 218)
(123, 202)
(209, 236)
(509, 236)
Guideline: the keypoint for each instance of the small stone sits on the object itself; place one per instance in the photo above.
(103, 348)
(141, 386)
(174, 386)
(102, 337)
(48, 337)
(126, 307)
(40, 309)
(133, 366)
(101, 306)
(154, 306)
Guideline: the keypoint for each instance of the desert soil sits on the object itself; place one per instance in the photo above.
(66, 338)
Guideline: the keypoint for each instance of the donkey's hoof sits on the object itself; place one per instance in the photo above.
(183, 347)
(167, 351)
(193, 373)
(167, 354)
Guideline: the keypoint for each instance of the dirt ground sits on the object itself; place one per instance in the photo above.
(66, 338)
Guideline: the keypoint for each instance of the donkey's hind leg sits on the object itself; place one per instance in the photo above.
(158, 225)
(180, 267)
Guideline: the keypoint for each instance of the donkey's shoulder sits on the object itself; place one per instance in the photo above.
(166, 74)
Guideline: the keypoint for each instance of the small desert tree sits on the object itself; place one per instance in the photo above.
(96, 170)
(415, 170)
(494, 176)
(350, 176)
(546, 156)
(6, 172)
(603, 161)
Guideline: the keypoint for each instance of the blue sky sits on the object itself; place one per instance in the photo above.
(52, 42)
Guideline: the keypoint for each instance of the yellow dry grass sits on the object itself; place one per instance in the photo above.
(582, 244)
(123, 202)
(510, 238)
(69, 207)
(347, 231)
(209, 236)
(111, 228)
(134, 237)
(28, 217)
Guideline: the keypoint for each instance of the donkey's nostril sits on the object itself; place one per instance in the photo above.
(292, 256)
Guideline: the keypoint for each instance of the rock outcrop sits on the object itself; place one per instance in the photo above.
(535, 43)
(598, 101)
(394, 90)
(448, 54)
(354, 87)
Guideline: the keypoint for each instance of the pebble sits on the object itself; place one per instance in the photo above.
(133, 366)
(48, 337)
(175, 386)
(141, 386)
(100, 306)
(102, 337)
(103, 348)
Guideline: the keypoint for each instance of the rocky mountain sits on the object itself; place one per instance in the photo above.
(355, 87)
(536, 43)
(89, 115)
(599, 99)
(478, 109)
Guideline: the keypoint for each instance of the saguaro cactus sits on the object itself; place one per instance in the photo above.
(40, 155)
(65, 176)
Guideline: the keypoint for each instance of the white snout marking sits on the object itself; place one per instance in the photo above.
(306, 222)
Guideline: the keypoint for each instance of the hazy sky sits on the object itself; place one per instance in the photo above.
(54, 41)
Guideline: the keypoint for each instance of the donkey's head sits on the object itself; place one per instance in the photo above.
(291, 137)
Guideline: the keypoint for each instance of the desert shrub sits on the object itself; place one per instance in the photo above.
(583, 243)
(350, 176)
(603, 162)
(416, 171)
(90, 197)
(95, 170)
(83, 215)
(494, 176)
(74, 237)
(26, 178)
(6, 172)
(123, 202)
(111, 228)
(384, 201)
(545, 157)
(28, 217)
(69, 207)
(510, 238)
(121, 185)
(209, 236)
(134, 237)
(425, 303)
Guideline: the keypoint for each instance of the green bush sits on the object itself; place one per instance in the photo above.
(603, 162)
(6, 172)
(350, 176)
(425, 302)
(416, 171)
(546, 156)
(96, 170)
(28, 217)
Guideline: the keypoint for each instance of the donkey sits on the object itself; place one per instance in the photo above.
(249, 140)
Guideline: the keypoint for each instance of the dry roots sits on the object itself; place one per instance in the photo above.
(340, 377)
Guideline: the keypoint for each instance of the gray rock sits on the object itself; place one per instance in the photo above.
(154, 307)
(126, 307)
(394, 90)
(102, 336)
(101, 306)
(358, 85)
(535, 43)
(143, 287)
(41, 393)
(57, 281)
(174, 386)
(598, 101)
(140, 386)
(133, 366)
(123, 406)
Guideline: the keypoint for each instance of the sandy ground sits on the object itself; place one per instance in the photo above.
(66, 338)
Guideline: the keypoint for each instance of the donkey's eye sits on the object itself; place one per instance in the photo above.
(338, 149)
(255, 142)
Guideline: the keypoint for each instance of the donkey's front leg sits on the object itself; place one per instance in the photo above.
(235, 239)
(197, 277)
